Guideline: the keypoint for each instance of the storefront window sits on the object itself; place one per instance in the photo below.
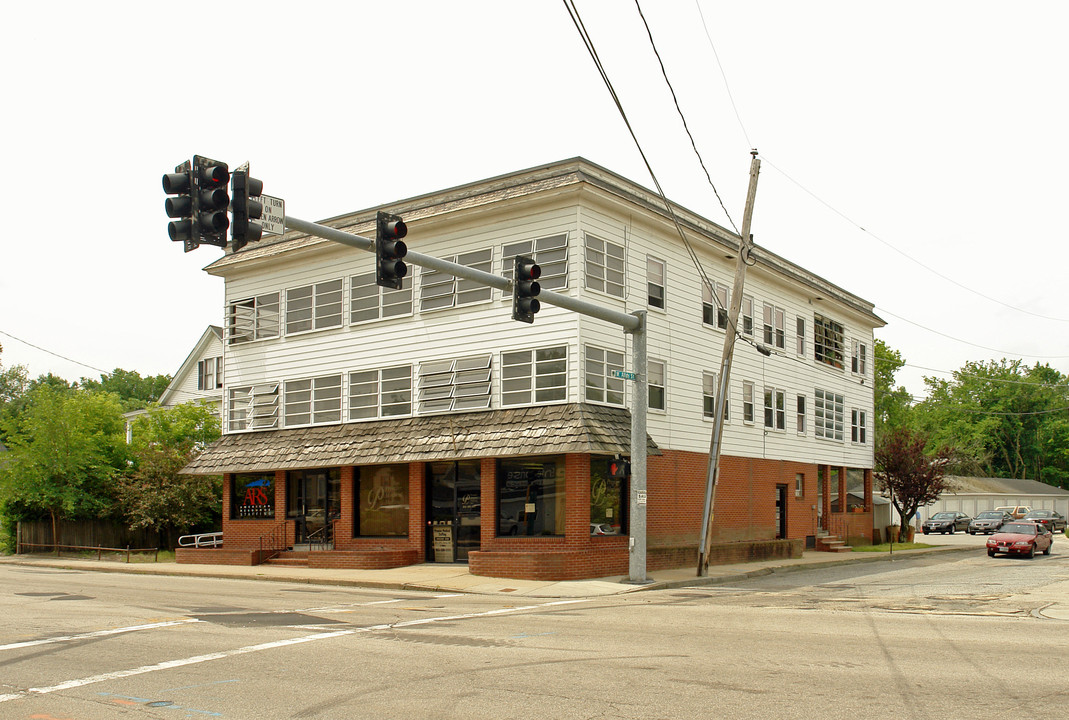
(530, 496)
(382, 507)
(252, 496)
(608, 501)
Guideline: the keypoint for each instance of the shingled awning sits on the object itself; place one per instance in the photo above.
(545, 430)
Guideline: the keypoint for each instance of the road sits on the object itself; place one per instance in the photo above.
(918, 637)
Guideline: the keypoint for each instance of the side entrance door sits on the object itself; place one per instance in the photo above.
(454, 505)
(781, 511)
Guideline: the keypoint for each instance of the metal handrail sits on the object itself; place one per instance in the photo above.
(212, 539)
(273, 543)
(323, 538)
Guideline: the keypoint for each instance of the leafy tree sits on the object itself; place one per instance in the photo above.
(1002, 419)
(136, 392)
(892, 405)
(65, 450)
(153, 494)
(911, 477)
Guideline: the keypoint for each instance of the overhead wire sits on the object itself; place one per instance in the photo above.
(55, 354)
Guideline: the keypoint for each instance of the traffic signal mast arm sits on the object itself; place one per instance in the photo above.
(627, 321)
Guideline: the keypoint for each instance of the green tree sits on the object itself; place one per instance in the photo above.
(911, 477)
(892, 405)
(153, 494)
(1003, 419)
(65, 451)
(134, 391)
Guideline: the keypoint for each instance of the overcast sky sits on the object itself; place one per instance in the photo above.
(914, 154)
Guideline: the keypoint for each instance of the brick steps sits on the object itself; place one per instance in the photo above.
(831, 543)
(290, 558)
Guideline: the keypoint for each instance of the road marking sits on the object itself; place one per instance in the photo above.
(96, 634)
(196, 659)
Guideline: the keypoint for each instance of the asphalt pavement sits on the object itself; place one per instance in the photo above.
(444, 577)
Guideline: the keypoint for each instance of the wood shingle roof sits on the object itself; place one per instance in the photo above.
(541, 430)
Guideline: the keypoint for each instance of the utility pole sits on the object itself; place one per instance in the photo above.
(712, 476)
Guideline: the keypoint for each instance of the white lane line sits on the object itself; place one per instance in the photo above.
(96, 634)
(196, 659)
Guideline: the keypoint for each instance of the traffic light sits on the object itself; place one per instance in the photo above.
(245, 206)
(180, 183)
(389, 268)
(210, 201)
(525, 289)
(619, 468)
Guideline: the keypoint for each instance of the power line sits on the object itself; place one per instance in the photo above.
(723, 75)
(966, 342)
(54, 354)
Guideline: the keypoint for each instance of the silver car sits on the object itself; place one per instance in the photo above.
(989, 522)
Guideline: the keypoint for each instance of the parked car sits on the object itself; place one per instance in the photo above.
(1053, 521)
(1017, 511)
(602, 529)
(989, 522)
(946, 522)
(1020, 538)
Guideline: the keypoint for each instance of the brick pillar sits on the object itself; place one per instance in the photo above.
(347, 505)
(577, 500)
(417, 508)
(825, 494)
(842, 490)
(487, 501)
(868, 490)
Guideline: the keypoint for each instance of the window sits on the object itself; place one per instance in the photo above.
(313, 307)
(456, 384)
(655, 282)
(252, 496)
(441, 290)
(715, 311)
(775, 411)
(530, 496)
(747, 402)
(857, 426)
(605, 262)
(369, 301)
(800, 418)
(253, 319)
(828, 413)
(827, 341)
(534, 376)
(210, 373)
(382, 501)
(380, 393)
(773, 319)
(799, 484)
(859, 364)
(709, 391)
(608, 500)
(747, 315)
(799, 334)
(313, 401)
(601, 386)
(656, 385)
(551, 254)
(253, 408)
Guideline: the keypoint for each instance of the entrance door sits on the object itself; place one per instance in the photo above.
(781, 511)
(312, 502)
(454, 503)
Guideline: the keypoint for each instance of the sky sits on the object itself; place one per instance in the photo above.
(914, 154)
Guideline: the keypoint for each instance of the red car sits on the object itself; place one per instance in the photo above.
(1020, 538)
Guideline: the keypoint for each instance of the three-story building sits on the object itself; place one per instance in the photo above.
(388, 427)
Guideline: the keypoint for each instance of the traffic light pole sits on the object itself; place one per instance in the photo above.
(634, 323)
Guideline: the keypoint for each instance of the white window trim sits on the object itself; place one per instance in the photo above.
(381, 295)
(534, 363)
(379, 414)
(314, 400)
(605, 269)
(663, 386)
(663, 284)
(613, 384)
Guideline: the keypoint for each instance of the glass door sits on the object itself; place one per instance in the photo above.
(454, 498)
(312, 501)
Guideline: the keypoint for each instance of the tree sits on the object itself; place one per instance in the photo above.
(153, 494)
(1003, 419)
(65, 450)
(134, 391)
(911, 477)
(892, 405)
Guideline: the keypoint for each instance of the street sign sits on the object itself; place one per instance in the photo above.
(274, 217)
(623, 374)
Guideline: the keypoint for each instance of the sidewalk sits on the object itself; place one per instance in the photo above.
(456, 578)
